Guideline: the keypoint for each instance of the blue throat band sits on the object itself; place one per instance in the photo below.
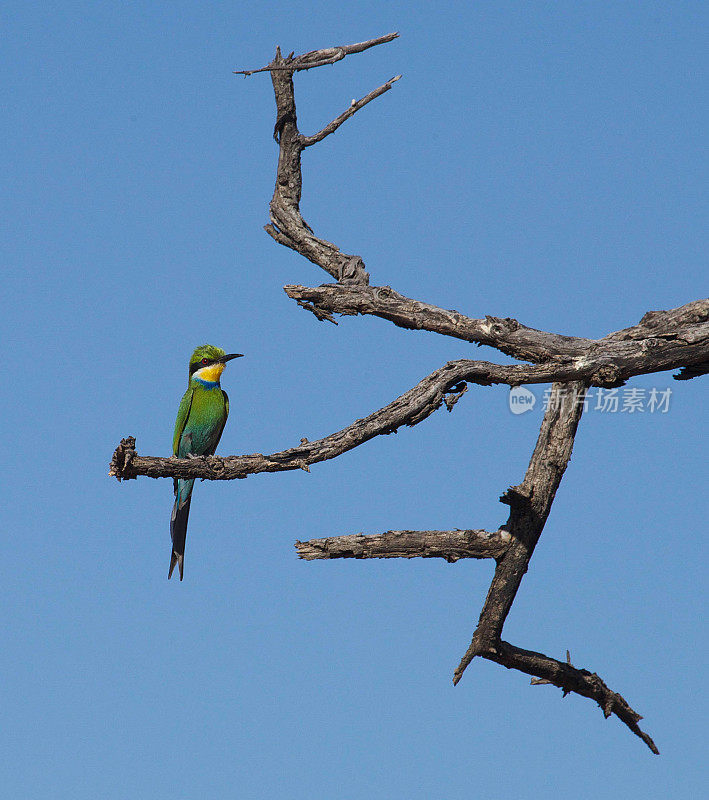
(207, 384)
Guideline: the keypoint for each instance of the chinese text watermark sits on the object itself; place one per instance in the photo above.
(628, 400)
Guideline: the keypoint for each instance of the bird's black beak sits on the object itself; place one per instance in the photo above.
(224, 359)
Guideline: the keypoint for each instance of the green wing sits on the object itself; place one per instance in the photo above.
(182, 413)
(226, 414)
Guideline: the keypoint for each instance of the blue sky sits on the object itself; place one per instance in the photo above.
(545, 161)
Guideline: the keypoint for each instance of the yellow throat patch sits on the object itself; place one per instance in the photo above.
(212, 373)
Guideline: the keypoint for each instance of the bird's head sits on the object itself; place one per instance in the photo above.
(207, 362)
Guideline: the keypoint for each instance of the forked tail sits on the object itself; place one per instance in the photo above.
(178, 525)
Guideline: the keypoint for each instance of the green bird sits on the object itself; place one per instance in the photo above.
(200, 421)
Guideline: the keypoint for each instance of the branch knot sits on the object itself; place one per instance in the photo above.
(607, 375)
(352, 271)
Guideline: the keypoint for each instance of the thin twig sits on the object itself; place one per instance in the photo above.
(318, 58)
(308, 141)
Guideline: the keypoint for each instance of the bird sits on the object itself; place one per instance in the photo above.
(200, 422)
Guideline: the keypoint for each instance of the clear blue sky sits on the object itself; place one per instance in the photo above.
(545, 161)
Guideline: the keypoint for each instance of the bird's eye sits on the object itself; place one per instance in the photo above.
(205, 361)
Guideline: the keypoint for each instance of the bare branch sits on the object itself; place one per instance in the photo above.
(530, 503)
(321, 316)
(541, 681)
(409, 409)
(287, 225)
(360, 47)
(451, 545)
(665, 322)
(307, 141)
(507, 335)
(663, 340)
(317, 58)
(570, 679)
(610, 365)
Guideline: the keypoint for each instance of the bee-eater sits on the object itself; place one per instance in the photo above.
(198, 429)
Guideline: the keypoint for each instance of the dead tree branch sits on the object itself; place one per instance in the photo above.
(530, 504)
(506, 335)
(571, 679)
(410, 408)
(451, 545)
(287, 224)
(317, 58)
(679, 334)
(612, 365)
(355, 106)
(662, 340)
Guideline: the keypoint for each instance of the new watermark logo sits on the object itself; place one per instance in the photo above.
(521, 399)
(631, 400)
